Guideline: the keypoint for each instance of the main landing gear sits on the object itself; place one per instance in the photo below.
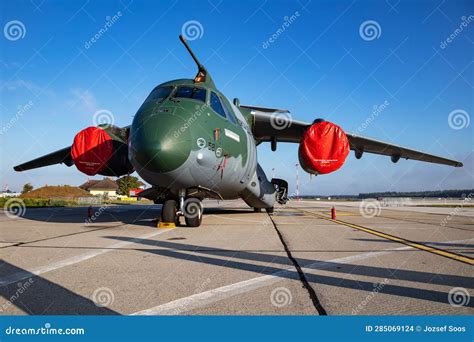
(191, 208)
(281, 187)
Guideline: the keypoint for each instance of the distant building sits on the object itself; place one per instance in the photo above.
(103, 187)
(10, 194)
(134, 192)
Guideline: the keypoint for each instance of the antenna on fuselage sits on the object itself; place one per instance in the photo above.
(202, 75)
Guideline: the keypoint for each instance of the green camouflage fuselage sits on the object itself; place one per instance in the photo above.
(183, 144)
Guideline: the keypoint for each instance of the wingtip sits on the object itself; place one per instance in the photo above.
(459, 165)
(17, 168)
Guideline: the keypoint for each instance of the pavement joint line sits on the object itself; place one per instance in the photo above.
(414, 244)
(15, 277)
(311, 292)
(201, 299)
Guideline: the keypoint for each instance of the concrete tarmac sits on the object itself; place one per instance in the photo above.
(372, 260)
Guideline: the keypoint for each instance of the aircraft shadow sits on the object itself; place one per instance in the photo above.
(126, 214)
(209, 256)
(43, 297)
(47, 298)
(143, 215)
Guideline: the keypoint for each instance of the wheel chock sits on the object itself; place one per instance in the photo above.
(166, 225)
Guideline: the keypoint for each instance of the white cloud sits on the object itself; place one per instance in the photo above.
(83, 100)
(18, 85)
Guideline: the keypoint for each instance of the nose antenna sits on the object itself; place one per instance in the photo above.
(203, 75)
(200, 66)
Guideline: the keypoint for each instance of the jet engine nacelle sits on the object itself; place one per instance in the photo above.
(102, 150)
(323, 148)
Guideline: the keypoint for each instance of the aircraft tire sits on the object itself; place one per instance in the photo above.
(168, 212)
(193, 213)
(257, 210)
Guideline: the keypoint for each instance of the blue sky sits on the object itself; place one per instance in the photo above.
(320, 66)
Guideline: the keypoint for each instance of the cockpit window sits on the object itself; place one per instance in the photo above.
(216, 105)
(194, 93)
(228, 112)
(159, 94)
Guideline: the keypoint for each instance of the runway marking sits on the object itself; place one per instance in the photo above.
(13, 278)
(198, 300)
(417, 245)
(415, 209)
(399, 219)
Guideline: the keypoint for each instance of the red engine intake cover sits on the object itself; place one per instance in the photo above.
(323, 148)
(91, 150)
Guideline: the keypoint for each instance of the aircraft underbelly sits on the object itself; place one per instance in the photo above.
(203, 169)
(259, 192)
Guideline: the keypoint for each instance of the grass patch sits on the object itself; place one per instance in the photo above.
(40, 202)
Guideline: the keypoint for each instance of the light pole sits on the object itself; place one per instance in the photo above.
(297, 183)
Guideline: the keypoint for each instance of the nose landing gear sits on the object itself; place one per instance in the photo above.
(191, 209)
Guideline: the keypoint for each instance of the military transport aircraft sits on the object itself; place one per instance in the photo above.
(190, 142)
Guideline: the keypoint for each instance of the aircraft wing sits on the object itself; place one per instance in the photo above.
(277, 125)
(362, 145)
(61, 156)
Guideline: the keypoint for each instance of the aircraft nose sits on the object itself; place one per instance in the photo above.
(159, 142)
